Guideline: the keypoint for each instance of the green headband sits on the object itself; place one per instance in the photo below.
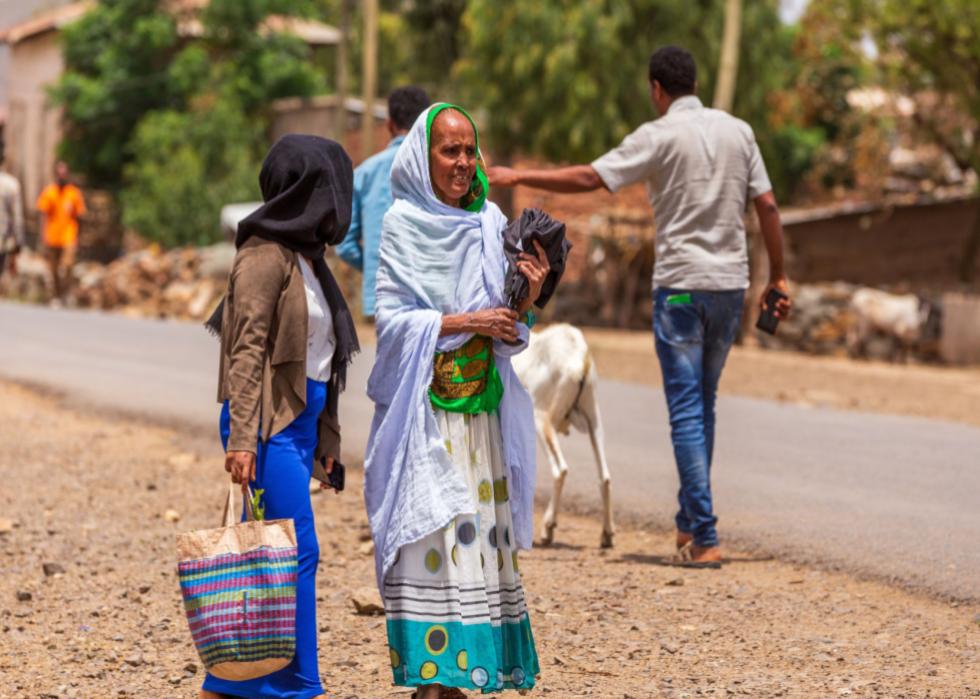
(480, 186)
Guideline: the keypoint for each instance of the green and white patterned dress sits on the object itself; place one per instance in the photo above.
(454, 601)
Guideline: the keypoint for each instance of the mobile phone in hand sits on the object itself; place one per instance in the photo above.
(335, 479)
(768, 320)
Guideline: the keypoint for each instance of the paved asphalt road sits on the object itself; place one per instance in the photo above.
(894, 497)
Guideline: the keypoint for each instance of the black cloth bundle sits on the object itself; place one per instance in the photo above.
(534, 225)
(307, 185)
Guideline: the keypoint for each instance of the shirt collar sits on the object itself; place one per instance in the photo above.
(396, 141)
(685, 103)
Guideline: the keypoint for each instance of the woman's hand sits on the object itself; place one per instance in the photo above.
(493, 322)
(535, 267)
(328, 467)
(500, 323)
(241, 466)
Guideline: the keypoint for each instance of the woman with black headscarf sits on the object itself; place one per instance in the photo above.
(287, 338)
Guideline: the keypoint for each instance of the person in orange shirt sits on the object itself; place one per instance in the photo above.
(62, 204)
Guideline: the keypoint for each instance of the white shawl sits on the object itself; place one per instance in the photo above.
(435, 260)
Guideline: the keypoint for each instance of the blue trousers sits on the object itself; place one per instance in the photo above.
(283, 468)
(693, 332)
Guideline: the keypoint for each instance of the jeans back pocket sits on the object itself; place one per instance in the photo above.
(676, 320)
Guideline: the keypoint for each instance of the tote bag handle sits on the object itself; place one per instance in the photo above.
(235, 492)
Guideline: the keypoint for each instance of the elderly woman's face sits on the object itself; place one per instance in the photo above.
(452, 156)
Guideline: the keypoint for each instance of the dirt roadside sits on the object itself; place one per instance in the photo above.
(942, 393)
(90, 493)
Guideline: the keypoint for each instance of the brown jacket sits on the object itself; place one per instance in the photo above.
(262, 371)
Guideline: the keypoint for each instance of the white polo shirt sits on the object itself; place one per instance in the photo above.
(701, 167)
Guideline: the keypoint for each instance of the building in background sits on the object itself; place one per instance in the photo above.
(14, 12)
(33, 125)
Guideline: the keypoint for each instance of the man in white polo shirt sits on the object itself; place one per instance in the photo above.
(701, 167)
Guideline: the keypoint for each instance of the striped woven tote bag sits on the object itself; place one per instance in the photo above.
(239, 588)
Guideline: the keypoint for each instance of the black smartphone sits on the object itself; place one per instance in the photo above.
(335, 479)
(768, 320)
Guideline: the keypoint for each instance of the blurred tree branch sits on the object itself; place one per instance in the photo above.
(930, 46)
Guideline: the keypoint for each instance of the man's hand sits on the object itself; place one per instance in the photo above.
(772, 235)
(328, 463)
(500, 176)
(241, 466)
(783, 306)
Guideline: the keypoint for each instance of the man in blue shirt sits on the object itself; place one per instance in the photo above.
(372, 192)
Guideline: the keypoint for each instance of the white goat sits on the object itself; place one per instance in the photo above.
(559, 373)
(905, 317)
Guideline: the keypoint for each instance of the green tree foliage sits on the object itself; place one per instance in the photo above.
(188, 165)
(255, 67)
(926, 45)
(178, 125)
(566, 80)
(437, 42)
(810, 115)
(418, 43)
(931, 49)
(117, 61)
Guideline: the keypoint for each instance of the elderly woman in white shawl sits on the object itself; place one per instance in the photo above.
(450, 463)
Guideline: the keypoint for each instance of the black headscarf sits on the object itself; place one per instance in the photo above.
(307, 185)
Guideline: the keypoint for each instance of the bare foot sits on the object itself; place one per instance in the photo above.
(683, 538)
(205, 694)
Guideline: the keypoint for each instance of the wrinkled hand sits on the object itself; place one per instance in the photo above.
(495, 322)
(784, 306)
(500, 176)
(328, 466)
(241, 466)
(535, 267)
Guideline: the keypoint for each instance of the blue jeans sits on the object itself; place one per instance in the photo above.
(283, 468)
(693, 331)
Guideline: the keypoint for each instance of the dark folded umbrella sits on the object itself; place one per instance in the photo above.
(534, 225)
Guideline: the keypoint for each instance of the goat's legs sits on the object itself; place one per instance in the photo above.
(559, 469)
(596, 436)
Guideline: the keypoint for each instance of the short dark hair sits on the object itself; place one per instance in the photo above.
(674, 68)
(405, 104)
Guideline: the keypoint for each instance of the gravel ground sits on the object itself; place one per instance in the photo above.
(90, 494)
